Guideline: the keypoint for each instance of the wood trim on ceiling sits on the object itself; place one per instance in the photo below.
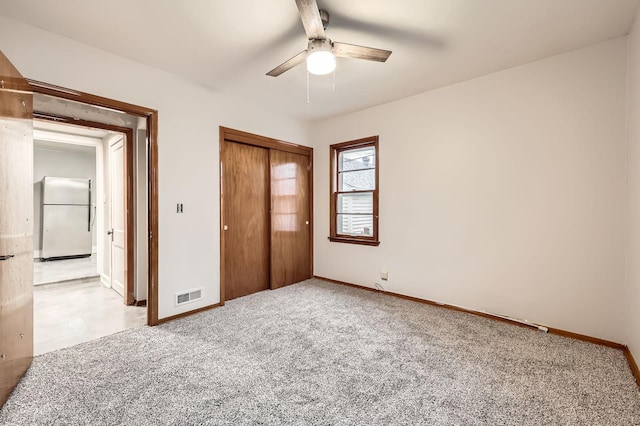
(556, 331)
(87, 98)
(151, 116)
(233, 135)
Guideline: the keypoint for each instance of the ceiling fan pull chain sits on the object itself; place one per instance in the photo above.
(334, 81)
(307, 86)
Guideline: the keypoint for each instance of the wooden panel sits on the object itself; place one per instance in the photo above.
(129, 226)
(245, 207)
(345, 50)
(189, 313)
(311, 20)
(287, 65)
(632, 364)
(152, 294)
(16, 227)
(290, 218)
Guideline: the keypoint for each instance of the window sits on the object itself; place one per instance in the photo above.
(354, 192)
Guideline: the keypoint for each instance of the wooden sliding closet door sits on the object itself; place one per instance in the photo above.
(290, 218)
(245, 199)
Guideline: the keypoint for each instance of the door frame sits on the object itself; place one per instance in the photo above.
(129, 177)
(238, 136)
(151, 117)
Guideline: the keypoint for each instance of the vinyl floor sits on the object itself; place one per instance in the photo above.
(71, 306)
(53, 271)
(69, 313)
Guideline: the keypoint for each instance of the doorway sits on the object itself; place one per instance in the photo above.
(266, 205)
(84, 109)
(66, 164)
(80, 280)
(16, 226)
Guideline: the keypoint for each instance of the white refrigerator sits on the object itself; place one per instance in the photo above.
(66, 218)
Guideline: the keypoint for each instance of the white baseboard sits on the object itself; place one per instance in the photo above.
(118, 287)
(105, 280)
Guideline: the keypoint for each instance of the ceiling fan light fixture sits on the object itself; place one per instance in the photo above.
(320, 60)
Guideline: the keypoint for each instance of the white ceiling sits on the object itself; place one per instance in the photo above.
(230, 45)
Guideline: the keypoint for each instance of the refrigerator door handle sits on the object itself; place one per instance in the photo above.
(89, 219)
(7, 256)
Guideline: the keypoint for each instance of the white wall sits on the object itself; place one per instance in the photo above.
(74, 162)
(189, 116)
(633, 293)
(505, 193)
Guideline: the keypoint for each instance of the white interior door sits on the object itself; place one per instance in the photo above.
(116, 215)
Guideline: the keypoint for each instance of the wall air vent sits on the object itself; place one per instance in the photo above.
(188, 296)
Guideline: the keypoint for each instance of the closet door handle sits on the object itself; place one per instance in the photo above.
(7, 256)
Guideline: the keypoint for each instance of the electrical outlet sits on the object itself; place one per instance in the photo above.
(384, 275)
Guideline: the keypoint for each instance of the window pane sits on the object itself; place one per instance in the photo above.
(355, 203)
(356, 225)
(359, 180)
(355, 159)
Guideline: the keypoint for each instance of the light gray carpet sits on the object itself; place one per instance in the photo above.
(320, 353)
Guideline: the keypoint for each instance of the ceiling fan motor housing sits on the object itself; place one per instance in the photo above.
(324, 16)
(319, 45)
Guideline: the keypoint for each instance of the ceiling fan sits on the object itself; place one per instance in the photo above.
(321, 52)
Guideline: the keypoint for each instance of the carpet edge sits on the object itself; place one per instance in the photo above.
(551, 330)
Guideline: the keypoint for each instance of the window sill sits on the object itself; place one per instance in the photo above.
(354, 241)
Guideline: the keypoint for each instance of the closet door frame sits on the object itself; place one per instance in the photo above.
(238, 136)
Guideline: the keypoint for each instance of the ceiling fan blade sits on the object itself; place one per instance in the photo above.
(345, 50)
(287, 65)
(311, 20)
